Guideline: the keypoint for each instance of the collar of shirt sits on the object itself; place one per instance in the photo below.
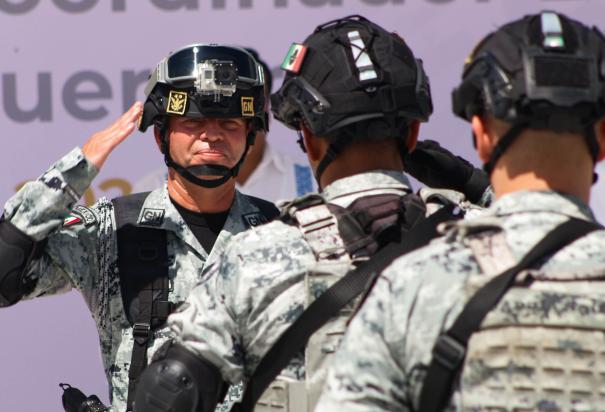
(344, 191)
(534, 201)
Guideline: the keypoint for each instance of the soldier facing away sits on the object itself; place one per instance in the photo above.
(136, 258)
(356, 94)
(506, 312)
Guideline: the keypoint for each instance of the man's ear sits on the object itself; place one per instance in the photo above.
(413, 132)
(315, 146)
(483, 142)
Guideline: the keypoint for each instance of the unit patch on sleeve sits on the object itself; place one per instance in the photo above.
(86, 214)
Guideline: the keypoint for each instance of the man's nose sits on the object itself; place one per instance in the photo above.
(211, 131)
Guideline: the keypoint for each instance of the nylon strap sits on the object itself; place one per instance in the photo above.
(450, 348)
(143, 269)
(329, 304)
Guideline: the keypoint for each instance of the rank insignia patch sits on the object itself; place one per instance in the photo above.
(294, 59)
(247, 106)
(177, 102)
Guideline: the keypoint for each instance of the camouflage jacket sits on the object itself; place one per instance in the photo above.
(265, 280)
(535, 350)
(81, 253)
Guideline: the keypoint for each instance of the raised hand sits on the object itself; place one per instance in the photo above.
(101, 144)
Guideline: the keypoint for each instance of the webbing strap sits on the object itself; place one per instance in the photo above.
(325, 307)
(143, 269)
(450, 349)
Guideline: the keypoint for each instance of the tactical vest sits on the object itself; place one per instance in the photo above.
(341, 240)
(144, 282)
(541, 347)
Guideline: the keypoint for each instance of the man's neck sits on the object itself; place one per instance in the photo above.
(200, 199)
(570, 183)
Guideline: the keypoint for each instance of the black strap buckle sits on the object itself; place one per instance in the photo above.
(141, 330)
(448, 352)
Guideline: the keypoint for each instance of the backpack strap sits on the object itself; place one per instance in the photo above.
(143, 268)
(329, 304)
(449, 350)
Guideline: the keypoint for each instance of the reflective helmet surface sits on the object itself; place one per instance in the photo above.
(206, 80)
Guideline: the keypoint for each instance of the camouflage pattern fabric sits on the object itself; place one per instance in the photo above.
(81, 253)
(537, 350)
(263, 284)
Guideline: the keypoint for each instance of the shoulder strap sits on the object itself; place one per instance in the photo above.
(450, 348)
(268, 209)
(326, 306)
(143, 268)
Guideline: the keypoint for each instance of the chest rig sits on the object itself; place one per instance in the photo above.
(144, 282)
(343, 241)
(525, 340)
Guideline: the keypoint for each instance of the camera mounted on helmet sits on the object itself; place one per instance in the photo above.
(352, 80)
(205, 80)
(544, 71)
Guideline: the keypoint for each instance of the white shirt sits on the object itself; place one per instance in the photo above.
(277, 177)
(597, 195)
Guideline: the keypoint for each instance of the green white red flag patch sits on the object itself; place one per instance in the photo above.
(294, 59)
(71, 220)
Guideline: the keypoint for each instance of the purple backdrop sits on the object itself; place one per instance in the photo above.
(71, 66)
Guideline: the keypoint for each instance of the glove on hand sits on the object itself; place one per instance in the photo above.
(439, 168)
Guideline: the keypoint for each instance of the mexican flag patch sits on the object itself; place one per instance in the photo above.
(294, 59)
(71, 220)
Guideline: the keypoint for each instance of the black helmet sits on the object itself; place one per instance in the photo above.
(544, 71)
(205, 80)
(354, 80)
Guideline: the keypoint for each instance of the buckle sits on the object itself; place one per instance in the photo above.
(141, 330)
(448, 352)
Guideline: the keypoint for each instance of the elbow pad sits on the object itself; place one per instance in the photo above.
(16, 251)
(178, 380)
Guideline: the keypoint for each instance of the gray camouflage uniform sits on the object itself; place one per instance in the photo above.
(541, 348)
(83, 255)
(265, 280)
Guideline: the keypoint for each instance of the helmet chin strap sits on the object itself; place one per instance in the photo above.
(190, 173)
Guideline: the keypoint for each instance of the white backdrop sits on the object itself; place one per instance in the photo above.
(68, 67)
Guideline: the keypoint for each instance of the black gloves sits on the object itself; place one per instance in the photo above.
(438, 168)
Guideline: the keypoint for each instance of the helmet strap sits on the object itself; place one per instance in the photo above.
(209, 170)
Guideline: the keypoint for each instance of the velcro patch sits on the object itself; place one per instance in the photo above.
(152, 217)
(294, 58)
(255, 219)
(86, 214)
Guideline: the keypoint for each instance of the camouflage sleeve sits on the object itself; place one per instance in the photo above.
(206, 323)
(40, 210)
(365, 374)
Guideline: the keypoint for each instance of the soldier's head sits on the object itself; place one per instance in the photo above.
(534, 91)
(206, 103)
(351, 83)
